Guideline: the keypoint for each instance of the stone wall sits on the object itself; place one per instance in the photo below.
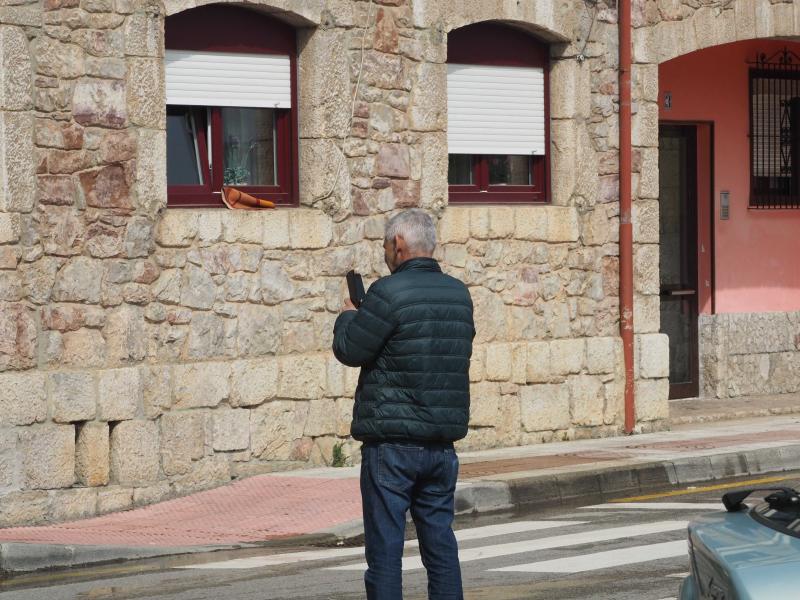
(147, 352)
(749, 354)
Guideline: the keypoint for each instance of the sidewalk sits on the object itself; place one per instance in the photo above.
(323, 505)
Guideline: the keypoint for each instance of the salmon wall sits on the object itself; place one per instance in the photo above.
(756, 252)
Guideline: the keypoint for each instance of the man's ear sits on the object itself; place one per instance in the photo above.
(399, 243)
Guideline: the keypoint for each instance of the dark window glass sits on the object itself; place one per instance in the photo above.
(183, 151)
(248, 137)
(459, 169)
(510, 170)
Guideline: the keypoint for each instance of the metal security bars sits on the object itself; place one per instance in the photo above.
(775, 131)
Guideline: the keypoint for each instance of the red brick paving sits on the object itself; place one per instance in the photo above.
(256, 509)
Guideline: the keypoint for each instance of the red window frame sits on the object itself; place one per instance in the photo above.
(494, 44)
(245, 31)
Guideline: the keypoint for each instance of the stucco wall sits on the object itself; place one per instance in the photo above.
(754, 250)
(148, 351)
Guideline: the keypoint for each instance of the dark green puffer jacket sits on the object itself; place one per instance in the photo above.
(412, 338)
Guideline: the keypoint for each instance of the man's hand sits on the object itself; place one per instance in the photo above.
(348, 305)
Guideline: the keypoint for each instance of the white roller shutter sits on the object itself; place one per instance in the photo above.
(495, 110)
(228, 79)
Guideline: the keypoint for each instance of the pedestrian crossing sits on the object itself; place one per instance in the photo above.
(619, 536)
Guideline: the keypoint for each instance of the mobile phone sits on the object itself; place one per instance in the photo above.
(355, 286)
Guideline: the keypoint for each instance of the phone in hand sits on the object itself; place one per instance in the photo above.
(355, 286)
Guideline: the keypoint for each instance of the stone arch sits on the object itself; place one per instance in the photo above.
(299, 13)
(709, 26)
(529, 25)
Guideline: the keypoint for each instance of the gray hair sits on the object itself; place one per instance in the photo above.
(416, 227)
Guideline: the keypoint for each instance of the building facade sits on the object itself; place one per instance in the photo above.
(154, 342)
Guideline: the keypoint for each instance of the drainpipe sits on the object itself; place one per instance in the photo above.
(625, 225)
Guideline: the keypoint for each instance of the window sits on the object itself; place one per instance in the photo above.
(497, 125)
(231, 117)
(775, 131)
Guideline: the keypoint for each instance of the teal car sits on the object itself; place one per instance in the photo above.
(746, 553)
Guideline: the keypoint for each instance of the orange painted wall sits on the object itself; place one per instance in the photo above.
(756, 252)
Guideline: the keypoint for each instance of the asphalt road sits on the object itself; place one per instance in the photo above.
(630, 551)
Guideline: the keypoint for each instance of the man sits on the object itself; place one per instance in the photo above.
(412, 337)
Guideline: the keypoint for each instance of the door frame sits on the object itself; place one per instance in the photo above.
(705, 294)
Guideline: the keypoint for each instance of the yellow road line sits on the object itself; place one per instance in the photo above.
(698, 490)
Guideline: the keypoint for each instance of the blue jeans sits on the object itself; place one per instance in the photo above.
(395, 478)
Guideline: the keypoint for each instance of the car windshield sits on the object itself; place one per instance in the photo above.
(780, 512)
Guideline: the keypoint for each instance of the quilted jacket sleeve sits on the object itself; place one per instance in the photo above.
(359, 336)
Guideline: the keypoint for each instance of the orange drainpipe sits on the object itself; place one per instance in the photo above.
(625, 225)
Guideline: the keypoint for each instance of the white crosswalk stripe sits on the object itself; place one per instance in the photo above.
(546, 543)
(603, 560)
(462, 535)
(657, 506)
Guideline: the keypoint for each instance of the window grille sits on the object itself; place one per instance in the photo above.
(775, 131)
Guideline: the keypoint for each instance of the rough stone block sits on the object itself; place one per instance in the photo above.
(601, 354)
(176, 229)
(92, 454)
(254, 381)
(653, 355)
(48, 456)
(309, 229)
(454, 227)
(24, 508)
(323, 116)
(207, 472)
(570, 87)
(151, 174)
(83, 348)
(587, 401)
(183, 440)
(78, 281)
(645, 222)
(567, 356)
(119, 394)
(16, 83)
(538, 362)
(73, 396)
(562, 224)
(276, 427)
(114, 499)
(100, 102)
(17, 168)
(545, 407)
(143, 34)
(302, 377)
(519, 363)
(9, 228)
(134, 453)
(531, 223)
(275, 228)
(71, 505)
(201, 384)
(321, 418)
(498, 362)
(156, 390)
(645, 265)
(652, 399)
(23, 398)
(344, 416)
(484, 408)
(232, 430)
(428, 104)
(18, 335)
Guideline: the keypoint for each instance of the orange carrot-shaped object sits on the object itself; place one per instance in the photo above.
(234, 198)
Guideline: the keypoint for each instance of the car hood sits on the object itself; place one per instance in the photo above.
(758, 562)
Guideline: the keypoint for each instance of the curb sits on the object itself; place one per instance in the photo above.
(18, 557)
(571, 488)
(472, 497)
